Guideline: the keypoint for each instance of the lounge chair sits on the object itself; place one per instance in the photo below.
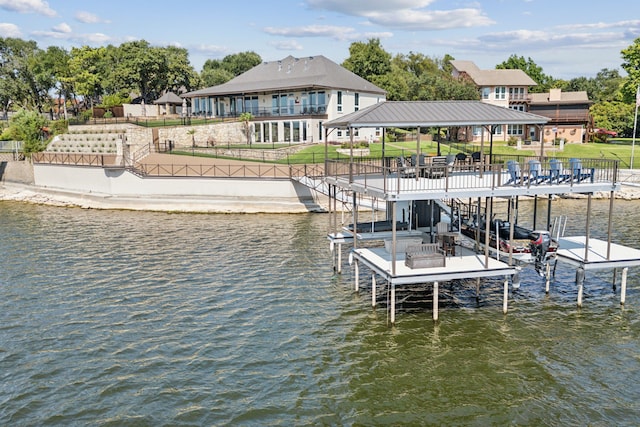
(535, 172)
(578, 174)
(515, 175)
(405, 170)
(556, 172)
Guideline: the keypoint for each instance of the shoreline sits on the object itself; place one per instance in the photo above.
(26, 193)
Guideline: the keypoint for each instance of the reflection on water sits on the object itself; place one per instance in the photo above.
(132, 318)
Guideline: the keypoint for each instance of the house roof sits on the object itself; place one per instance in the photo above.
(556, 96)
(168, 98)
(493, 77)
(290, 74)
(410, 114)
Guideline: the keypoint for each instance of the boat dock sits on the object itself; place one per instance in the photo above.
(426, 191)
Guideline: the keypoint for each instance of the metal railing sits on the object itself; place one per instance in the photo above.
(257, 170)
(390, 178)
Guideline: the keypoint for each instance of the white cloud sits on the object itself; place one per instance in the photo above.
(89, 18)
(88, 38)
(62, 28)
(339, 33)
(411, 15)
(208, 49)
(28, 6)
(9, 30)
(287, 45)
(361, 7)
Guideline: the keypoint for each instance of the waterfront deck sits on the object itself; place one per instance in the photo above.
(459, 181)
(572, 251)
(466, 264)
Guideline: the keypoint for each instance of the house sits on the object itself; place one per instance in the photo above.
(568, 113)
(506, 88)
(289, 99)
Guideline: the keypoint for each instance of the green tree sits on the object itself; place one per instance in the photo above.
(246, 118)
(631, 64)
(19, 85)
(87, 67)
(239, 63)
(214, 76)
(52, 69)
(614, 115)
(533, 70)
(27, 126)
(368, 60)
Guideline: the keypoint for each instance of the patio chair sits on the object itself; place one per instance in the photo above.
(515, 175)
(578, 174)
(535, 172)
(556, 172)
(405, 170)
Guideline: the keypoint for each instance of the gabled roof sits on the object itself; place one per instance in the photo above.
(291, 73)
(168, 98)
(493, 77)
(409, 114)
(557, 96)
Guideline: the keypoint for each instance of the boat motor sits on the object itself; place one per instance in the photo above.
(540, 242)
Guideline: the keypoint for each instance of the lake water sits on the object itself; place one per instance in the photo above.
(115, 318)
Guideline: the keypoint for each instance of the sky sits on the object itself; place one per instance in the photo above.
(567, 38)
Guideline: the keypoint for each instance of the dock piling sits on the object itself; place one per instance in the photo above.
(623, 285)
(373, 290)
(506, 295)
(435, 301)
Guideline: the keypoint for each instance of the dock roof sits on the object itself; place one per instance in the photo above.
(411, 114)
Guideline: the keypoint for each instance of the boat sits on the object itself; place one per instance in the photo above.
(532, 246)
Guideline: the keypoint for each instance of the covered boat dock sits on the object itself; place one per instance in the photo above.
(492, 176)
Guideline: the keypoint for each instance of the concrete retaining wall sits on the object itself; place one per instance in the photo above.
(118, 182)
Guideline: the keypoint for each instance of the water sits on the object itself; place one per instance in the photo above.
(113, 318)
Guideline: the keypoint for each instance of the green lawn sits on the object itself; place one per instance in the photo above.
(618, 150)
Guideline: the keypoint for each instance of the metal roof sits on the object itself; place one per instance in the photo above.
(168, 98)
(411, 114)
(313, 72)
(498, 77)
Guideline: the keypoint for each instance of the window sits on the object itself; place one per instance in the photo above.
(322, 102)
(477, 130)
(515, 130)
(339, 133)
(356, 101)
(516, 93)
(486, 92)
(501, 92)
(518, 107)
(320, 131)
(497, 130)
(339, 101)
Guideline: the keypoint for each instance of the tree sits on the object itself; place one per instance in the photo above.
(215, 71)
(18, 82)
(52, 70)
(616, 116)
(631, 64)
(27, 126)
(533, 70)
(246, 118)
(239, 63)
(368, 60)
(214, 76)
(87, 67)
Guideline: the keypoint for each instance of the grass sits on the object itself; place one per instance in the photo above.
(619, 149)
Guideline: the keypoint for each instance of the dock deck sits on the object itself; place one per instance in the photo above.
(572, 251)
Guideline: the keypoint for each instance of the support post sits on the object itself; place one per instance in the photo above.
(615, 278)
(357, 275)
(580, 283)
(393, 304)
(505, 295)
(373, 290)
(393, 238)
(435, 301)
(588, 226)
(548, 277)
(477, 287)
(339, 258)
(609, 227)
(623, 285)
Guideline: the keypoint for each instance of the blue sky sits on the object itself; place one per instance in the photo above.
(568, 38)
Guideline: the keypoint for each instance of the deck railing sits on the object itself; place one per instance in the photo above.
(257, 170)
(383, 175)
